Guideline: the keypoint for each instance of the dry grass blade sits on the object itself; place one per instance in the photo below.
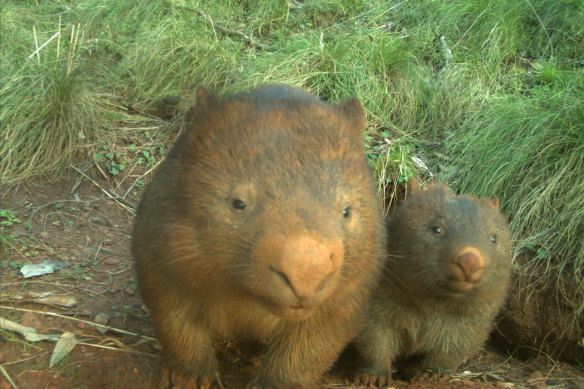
(110, 328)
(7, 376)
(118, 199)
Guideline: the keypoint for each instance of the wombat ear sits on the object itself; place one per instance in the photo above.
(353, 112)
(493, 201)
(204, 98)
(204, 101)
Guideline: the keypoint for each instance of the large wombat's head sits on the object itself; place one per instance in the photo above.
(276, 201)
(447, 244)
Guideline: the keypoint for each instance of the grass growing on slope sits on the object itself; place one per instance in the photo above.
(492, 35)
(334, 49)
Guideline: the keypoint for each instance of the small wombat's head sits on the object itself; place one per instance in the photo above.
(447, 244)
(278, 199)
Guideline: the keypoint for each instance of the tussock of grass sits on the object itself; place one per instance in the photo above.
(47, 108)
(530, 152)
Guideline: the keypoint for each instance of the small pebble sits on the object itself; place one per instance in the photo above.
(111, 261)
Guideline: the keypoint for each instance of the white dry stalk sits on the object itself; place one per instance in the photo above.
(36, 43)
(59, 39)
(72, 46)
(38, 49)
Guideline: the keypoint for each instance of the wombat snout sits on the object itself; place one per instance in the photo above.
(466, 269)
(302, 267)
(305, 265)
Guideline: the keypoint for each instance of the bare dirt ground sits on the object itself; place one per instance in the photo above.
(75, 221)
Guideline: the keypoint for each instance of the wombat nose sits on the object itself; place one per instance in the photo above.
(471, 263)
(305, 264)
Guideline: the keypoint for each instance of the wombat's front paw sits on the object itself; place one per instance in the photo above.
(173, 377)
(430, 376)
(372, 379)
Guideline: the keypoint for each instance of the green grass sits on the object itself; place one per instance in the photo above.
(48, 105)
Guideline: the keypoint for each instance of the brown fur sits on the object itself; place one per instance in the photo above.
(443, 284)
(263, 222)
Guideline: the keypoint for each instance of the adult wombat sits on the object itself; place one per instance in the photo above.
(447, 274)
(262, 221)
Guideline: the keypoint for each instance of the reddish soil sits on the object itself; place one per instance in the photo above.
(73, 220)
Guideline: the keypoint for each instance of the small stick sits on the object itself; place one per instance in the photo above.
(123, 203)
(494, 376)
(228, 31)
(139, 178)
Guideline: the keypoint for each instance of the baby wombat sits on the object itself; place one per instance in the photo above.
(263, 222)
(447, 274)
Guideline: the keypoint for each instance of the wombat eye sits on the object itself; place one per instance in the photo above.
(238, 204)
(494, 239)
(437, 230)
(346, 212)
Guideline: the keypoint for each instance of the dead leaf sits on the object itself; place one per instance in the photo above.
(64, 345)
(45, 267)
(62, 301)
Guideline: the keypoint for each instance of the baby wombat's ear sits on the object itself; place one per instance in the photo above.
(353, 112)
(493, 201)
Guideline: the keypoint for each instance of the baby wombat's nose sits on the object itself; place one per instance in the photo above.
(471, 263)
(305, 264)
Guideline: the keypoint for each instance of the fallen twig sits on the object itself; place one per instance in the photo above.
(118, 199)
(228, 31)
(110, 328)
(139, 178)
(494, 376)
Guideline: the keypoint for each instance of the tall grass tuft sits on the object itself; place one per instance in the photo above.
(47, 107)
(530, 152)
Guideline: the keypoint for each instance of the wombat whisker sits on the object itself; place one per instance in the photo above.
(389, 276)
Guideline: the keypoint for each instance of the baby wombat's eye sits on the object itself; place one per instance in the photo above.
(437, 230)
(238, 204)
(493, 238)
(346, 212)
